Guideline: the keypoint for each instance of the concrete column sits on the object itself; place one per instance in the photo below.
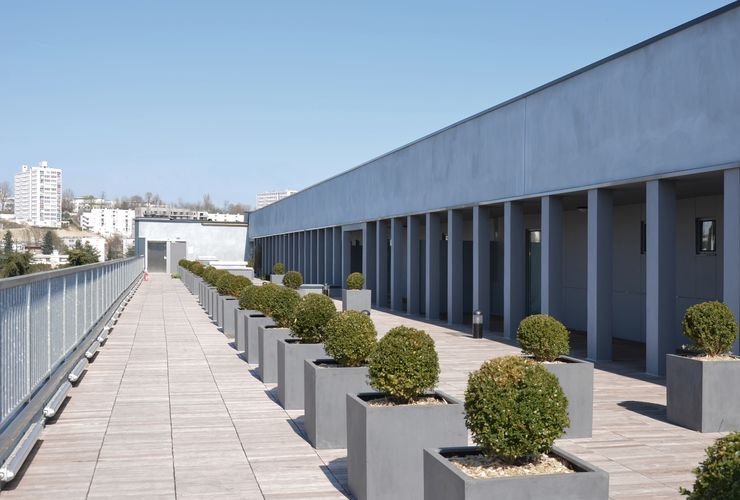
(482, 263)
(397, 277)
(731, 251)
(660, 274)
(552, 256)
(433, 235)
(306, 261)
(412, 265)
(328, 242)
(514, 267)
(320, 249)
(599, 279)
(369, 256)
(381, 266)
(337, 258)
(454, 267)
(346, 256)
(268, 245)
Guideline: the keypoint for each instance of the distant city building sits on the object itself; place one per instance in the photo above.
(109, 221)
(54, 259)
(219, 217)
(38, 195)
(8, 205)
(185, 214)
(264, 199)
(97, 242)
(87, 203)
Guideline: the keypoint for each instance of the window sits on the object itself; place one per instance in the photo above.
(706, 236)
(643, 237)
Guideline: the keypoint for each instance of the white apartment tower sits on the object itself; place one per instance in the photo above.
(264, 199)
(38, 195)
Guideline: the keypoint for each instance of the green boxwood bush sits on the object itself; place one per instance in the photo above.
(711, 326)
(313, 313)
(248, 297)
(355, 281)
(265, 298)
(350, 338)
(197, 268)
(543, 337)
(718, 477)
(278, 268)
(293, 279)
(232, 285)
(404, 364)
(185, 264)
(223, 283)
(283, 307)
(515, 409)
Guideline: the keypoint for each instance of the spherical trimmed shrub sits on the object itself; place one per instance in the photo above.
(293, 279)
(184, 263)
(515, 409)
(278, 268)
(197, 268)
(404, 364)
(223, 283)
(265, 298)
(312, 314)
(711, 326)
(543, 337)
(248, 298)
(350, 338)
(234, 285)
(283, 307)
(718, 477)
(355, 281)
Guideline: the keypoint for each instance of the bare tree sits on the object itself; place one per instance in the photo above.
(68, 201)
(4, 194)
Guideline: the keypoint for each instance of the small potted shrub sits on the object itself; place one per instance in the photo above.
(312, 315)
(718, 477)
(354, 298)
(278, 273)
(253, 301)
(293, 280)
(281, 304)
(388, 430)
(231, 315)
(701, 389)
(515, 410)
(547, 341)
(350, 338)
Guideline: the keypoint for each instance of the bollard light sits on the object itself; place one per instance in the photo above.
(325, 289)
(477, 325)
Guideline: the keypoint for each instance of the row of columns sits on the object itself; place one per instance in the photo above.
(324, 255)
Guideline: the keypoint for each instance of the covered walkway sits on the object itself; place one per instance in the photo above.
(169, 410)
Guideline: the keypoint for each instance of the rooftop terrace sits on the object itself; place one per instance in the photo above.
(169, 410)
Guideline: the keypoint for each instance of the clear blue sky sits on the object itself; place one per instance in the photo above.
(235, 97)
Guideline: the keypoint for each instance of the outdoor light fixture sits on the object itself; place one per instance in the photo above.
(15, 461)
(103, 336)
(76, 372)
(477, 325)
(92, 349)
(56, 400)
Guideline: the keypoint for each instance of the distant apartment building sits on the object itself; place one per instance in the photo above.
(219, 217)
(109, 221)
(160, 212)
(264, 199)
(8, 205)
(38, 195)
(97, 242)
(87, 203)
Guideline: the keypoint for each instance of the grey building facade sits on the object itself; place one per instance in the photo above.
(609, 198)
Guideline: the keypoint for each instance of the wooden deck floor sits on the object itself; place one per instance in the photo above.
(168, 410)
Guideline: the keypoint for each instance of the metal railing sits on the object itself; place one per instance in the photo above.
(45, 316)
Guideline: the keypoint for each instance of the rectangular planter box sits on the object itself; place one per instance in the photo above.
(576, 377)
(385, 444)
(201, 293)
(703, 395)
(212, 302)
(240, 320)
(445, 481)
(290, 357)
(357, 300)
(197, 282)
(305, 289)
(252, 343)
(268, 338)
(220, 300)
(326, 386)
(277, 278)
(228, 316)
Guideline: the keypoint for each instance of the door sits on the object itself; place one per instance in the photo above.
(156, 252)
(534, 264)
(177, 252)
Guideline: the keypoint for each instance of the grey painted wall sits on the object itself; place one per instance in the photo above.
(669, 106)
(223, 241)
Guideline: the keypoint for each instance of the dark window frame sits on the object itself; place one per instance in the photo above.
(699, 230)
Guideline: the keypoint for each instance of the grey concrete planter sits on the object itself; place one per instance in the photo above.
(445, 481)
(220, 299)
(357, 300)
(305, 289)
(576, 377)
(197, 282)
(240, 320)
(703, 395)
(212, 302)
(228, 317)
(290, 373)
(385, 444)
(268, 337)
(277, 278)
(252, 343)
(326, 385)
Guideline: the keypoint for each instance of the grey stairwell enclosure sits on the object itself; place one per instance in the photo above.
(576, 377)
(445, 481)
(291, 355)
(357, 300)
(703, 395)
(267, 348)
(254, 322)
(326, 385)
(385, 444)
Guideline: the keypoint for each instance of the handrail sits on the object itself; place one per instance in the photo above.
(55, 273)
